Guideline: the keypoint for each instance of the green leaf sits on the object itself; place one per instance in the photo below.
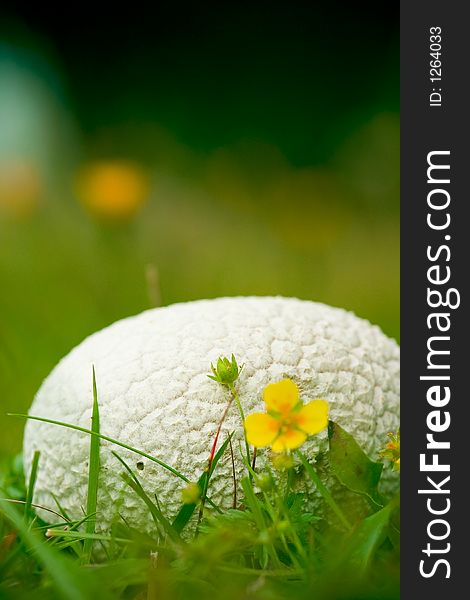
(93, 475)
(368, 537)
(183, 517)
(352, 466)
(324, 491)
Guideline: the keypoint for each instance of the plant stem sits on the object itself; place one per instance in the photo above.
(211, 460)
(242, 414)
(234, 475)
(253, 464)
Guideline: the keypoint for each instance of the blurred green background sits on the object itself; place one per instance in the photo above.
(152, 158)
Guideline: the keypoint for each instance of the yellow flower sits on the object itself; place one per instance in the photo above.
(288, 422)
(392, 450)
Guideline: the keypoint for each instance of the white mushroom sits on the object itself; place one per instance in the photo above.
(154, 394)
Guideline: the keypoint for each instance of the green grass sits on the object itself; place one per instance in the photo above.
(93, 475)
(271, 545)
(32, 482)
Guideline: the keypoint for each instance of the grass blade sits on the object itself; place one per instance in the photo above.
(67, 578)
(62, 510)
(28, 510)
(111, 440)
(103, 437)
(23, 502)
(255, 506)
(93, 474)
(157, 515)
(81, 535)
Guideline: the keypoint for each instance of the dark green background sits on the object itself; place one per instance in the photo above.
(271, 133)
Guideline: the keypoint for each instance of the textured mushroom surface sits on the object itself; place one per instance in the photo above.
(154, 394)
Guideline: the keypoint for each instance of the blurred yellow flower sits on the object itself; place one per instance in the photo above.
(112, 190)
(288, 422)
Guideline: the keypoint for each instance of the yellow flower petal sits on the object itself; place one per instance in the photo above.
(261, 429)
(281, 397)
(313, 417)
(288, 440)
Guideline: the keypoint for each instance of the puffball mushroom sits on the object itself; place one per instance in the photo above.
(154, 394)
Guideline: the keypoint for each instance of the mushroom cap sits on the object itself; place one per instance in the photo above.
(154, 394)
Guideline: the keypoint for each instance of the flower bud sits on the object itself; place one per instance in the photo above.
(226, 371)
(282, 461)
(191, 494)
